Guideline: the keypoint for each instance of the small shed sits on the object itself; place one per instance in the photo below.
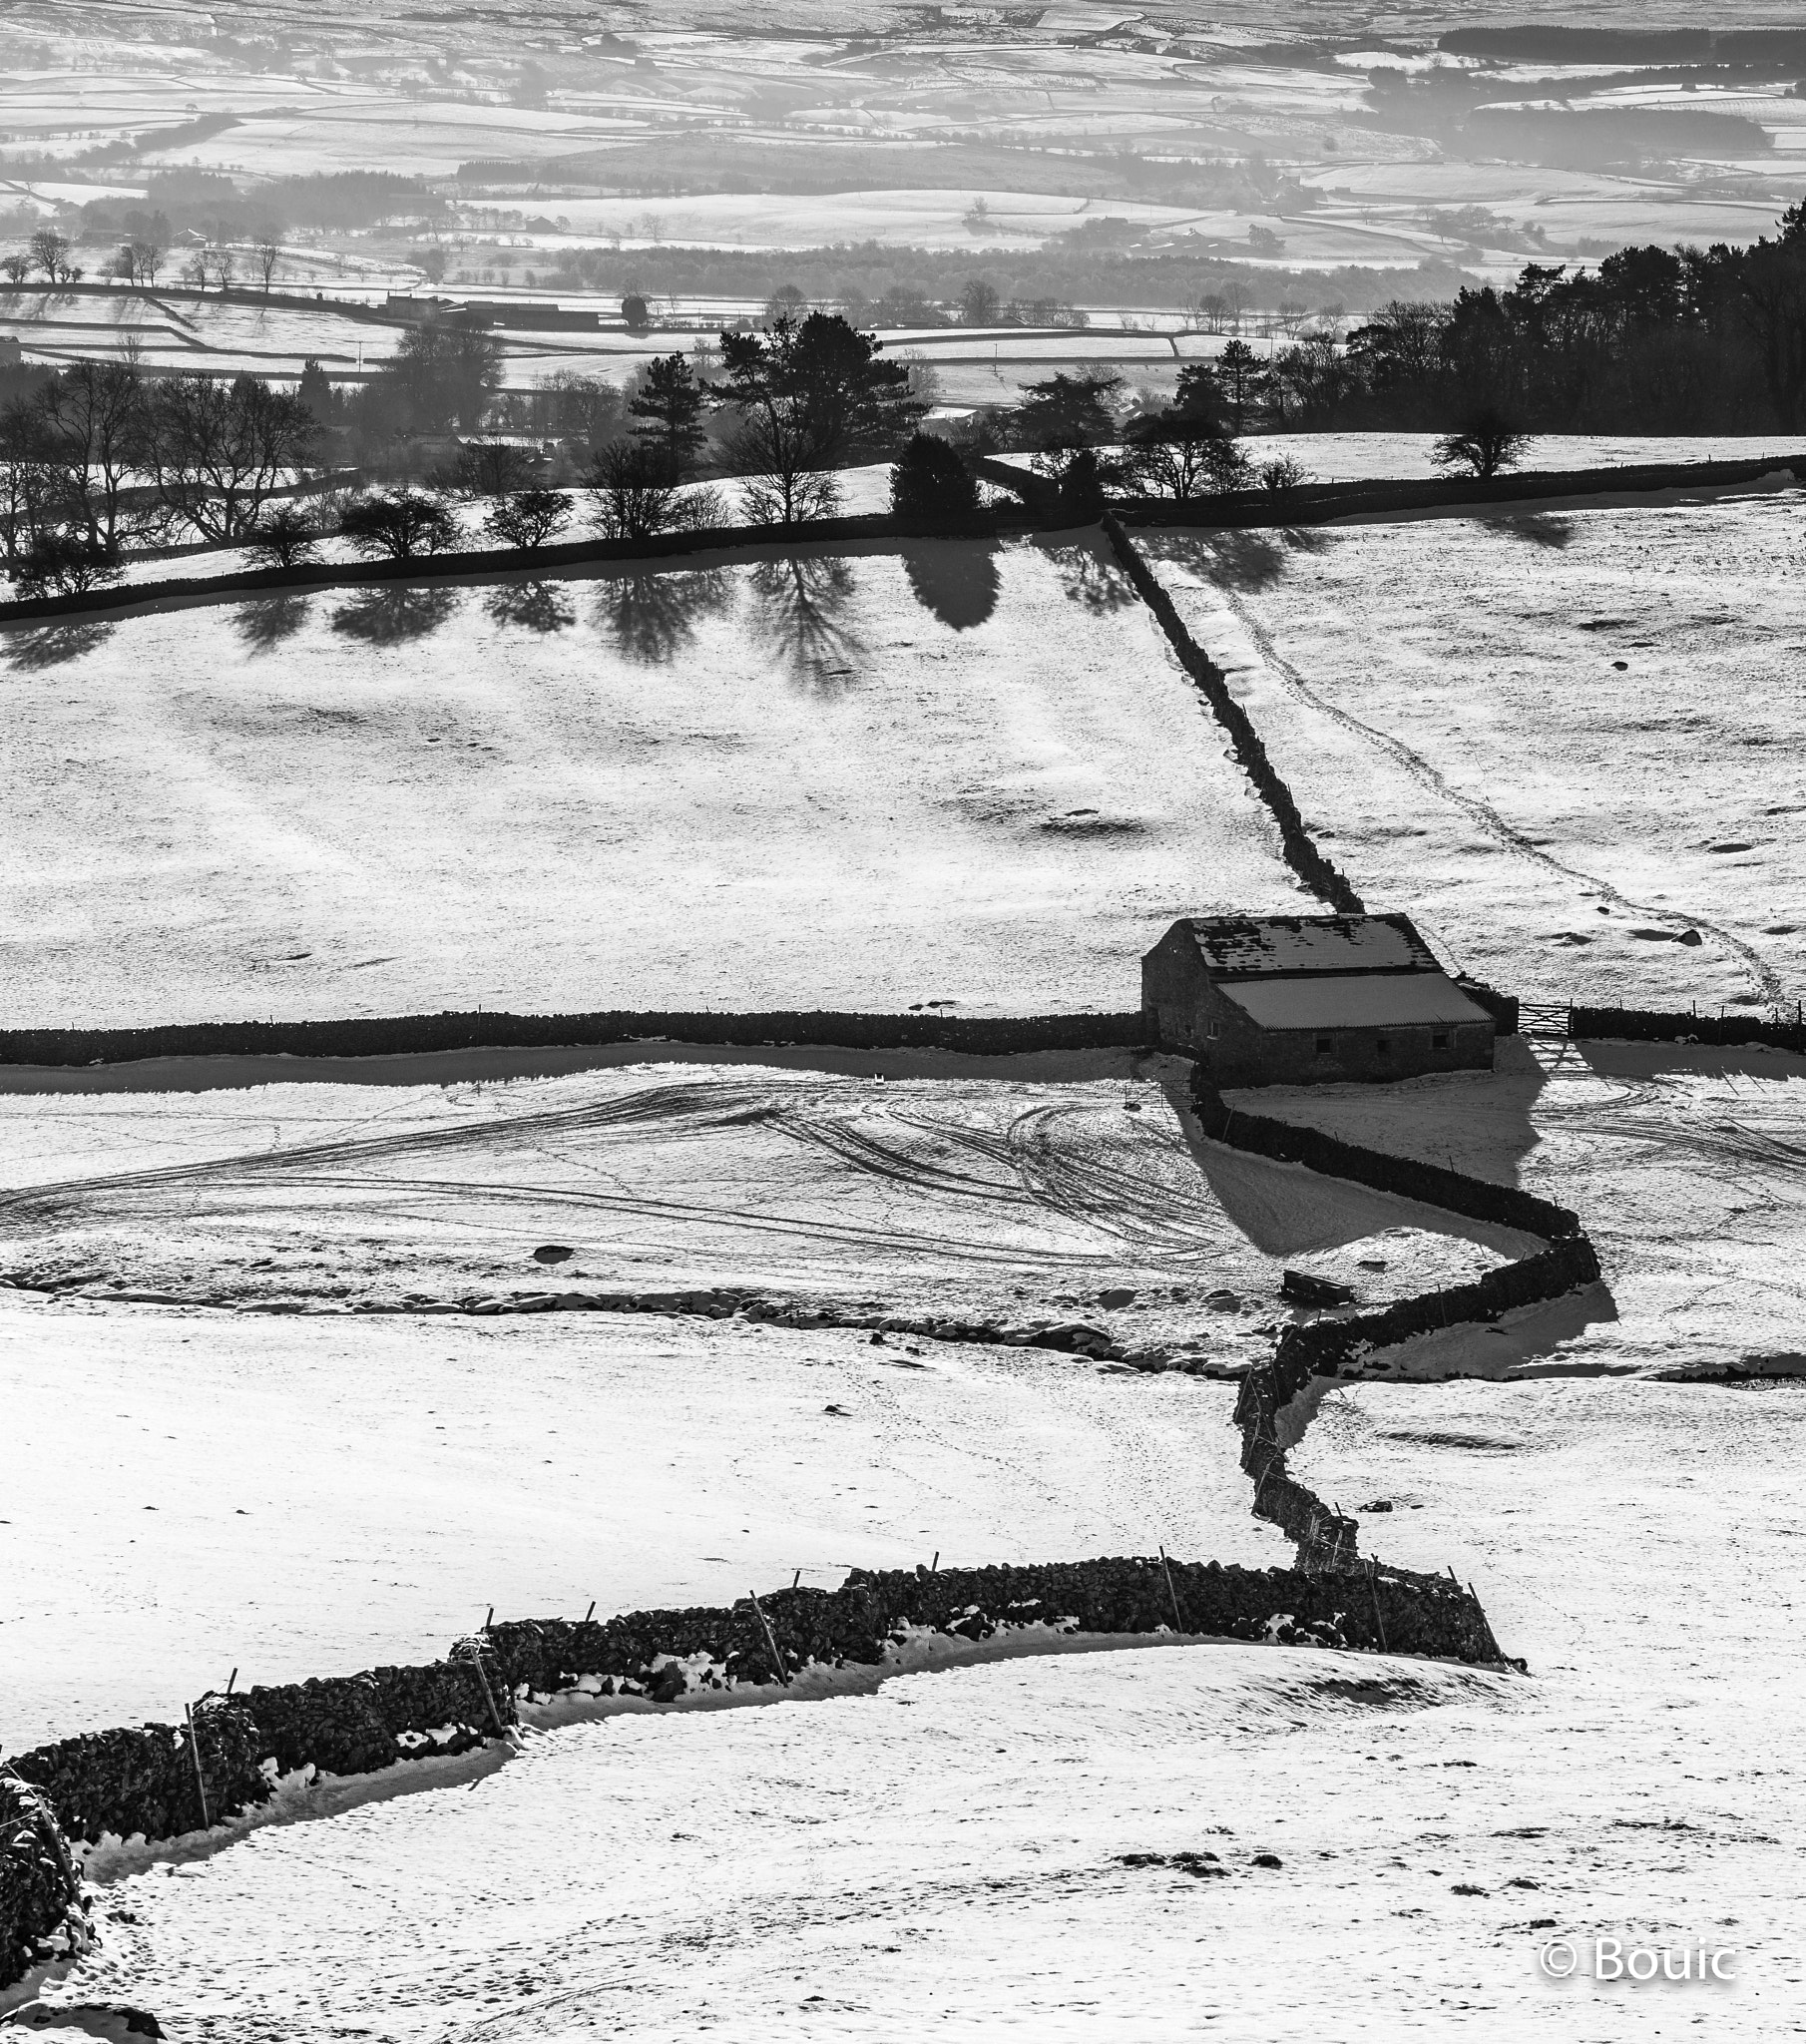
(1293, 1000)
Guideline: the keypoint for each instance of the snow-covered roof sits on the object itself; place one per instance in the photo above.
(1354, 1001)
(1233, 946)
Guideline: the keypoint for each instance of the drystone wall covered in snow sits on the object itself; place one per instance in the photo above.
(1453, 1191)
(1333, 1347)
(1643, 1025)
(43, 1912)
(1323, 880)
(397, 1035)
(160, 1781)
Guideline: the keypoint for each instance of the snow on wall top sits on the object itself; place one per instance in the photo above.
(1355, 1001)
(1235, 945)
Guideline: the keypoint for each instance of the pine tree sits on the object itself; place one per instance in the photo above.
(669, 406)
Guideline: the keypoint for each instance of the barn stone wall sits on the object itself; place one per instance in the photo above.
(1291, 1057)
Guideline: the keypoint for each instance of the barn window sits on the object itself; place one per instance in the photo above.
(1214, 1031)
(1383, 1044)
(1438, 1039)
(1325, 1044)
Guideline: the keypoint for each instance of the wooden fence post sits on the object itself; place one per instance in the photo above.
(475, 1661)
(187, 1716)
(777, 1660)
(1171, 1591)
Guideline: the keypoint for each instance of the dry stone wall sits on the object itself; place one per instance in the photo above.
(144, 1780)
(399, 1035)
(1347, 1346)
(1300, 850)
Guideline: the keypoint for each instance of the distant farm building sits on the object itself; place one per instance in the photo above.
(1291, 1000)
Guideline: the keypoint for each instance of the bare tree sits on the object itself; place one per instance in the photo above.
(634, 490)
(63, 564)
(1182, 458)
(34, 483)
(50, 251)
(1488, 442)
(528, 518)
(221, 265)
(267, 253)
(488, 468)
(221, 450)
(17, 265)
(402, 525)
(148, 257)
(773, 449)
(284, 536)
(1282, 475)
(97, 418)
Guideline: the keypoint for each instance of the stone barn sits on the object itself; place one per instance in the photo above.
(1295, 1000)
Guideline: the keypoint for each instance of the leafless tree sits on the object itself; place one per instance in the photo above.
(267, 254)
(50, 251)
(528, 518)
(17, 265)
(635, 491)
(219, 450)
(34, 483)
(403, 525)
(284, 536)
(1185, 458)
(96, 416)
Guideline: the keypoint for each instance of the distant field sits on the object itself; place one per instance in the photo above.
(941, 774)
(1603, 720)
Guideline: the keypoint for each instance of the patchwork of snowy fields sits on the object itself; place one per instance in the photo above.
(1561, 740)
(1571, 740)
(944, 772)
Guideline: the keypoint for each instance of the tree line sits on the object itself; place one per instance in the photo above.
(100, 457)
(1654, 341)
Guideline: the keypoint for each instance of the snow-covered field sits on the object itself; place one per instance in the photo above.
(1014, 1190)
(190, 1492)
(953, 1855)
(1388, 457)
(1562, 736)
(941, 772)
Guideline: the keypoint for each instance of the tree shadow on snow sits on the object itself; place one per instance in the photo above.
(957, 580)
(31, 652)
(1239, 558)
(653, 616)
(1090, 576)
(799, 610)
(533, 606)
(264, 626)
(385, 616)
(1553, 529)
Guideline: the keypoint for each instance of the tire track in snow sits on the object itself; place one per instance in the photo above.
(1767, 980)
